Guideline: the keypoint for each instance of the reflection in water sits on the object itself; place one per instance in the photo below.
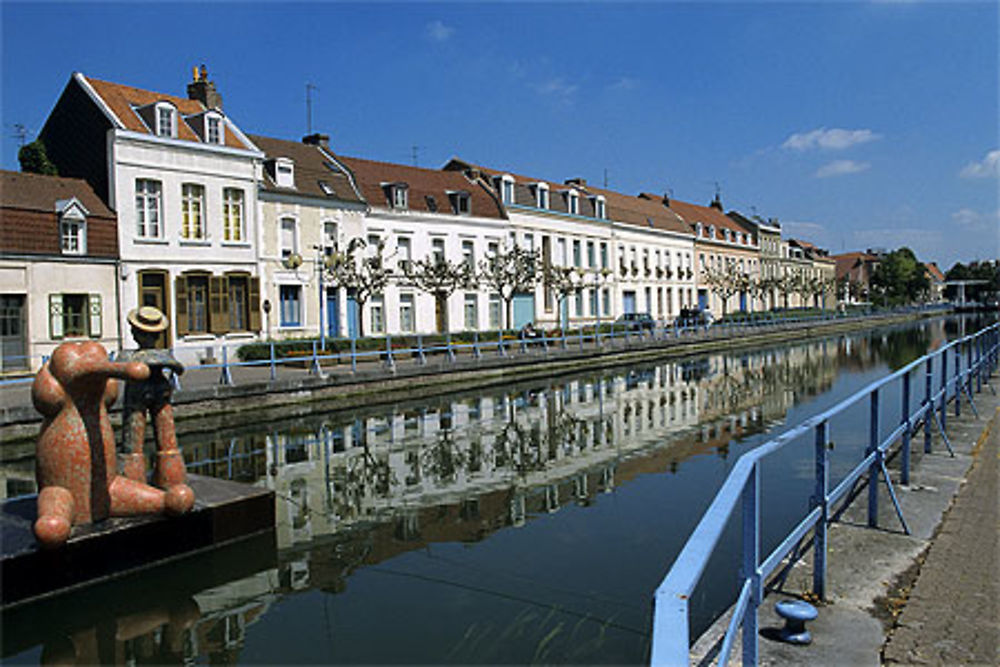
(365, 492)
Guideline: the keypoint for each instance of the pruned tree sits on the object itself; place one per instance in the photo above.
(722, 283)
(564, 281)
(361, 270)
(440, 278)
(510, 272)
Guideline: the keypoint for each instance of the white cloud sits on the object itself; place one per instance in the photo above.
(437, 31)
(974, 221)
(829, 139)
(557, 87)
(988, 167)
(966, 217)
(624, 83)
(841, 168)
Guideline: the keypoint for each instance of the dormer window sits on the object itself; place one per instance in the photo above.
(699, 229)
(506, 187)
(166, 120)
(711, 231)
(460, 202)
(326, 188)
(600, 210)
(72, 226)
(727, 234)
(573, 202)
(542, 195)
(214, 133)
(284, 173)
(398, 194)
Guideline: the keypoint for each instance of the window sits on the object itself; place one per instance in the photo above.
(284, 173)
(578, 303)
(560, 252)
(238, 303)
(74, 315)
(398, 193)
(576, 253)
(604, 255)
(232, 214)
(406, 313)
(329, 237)
(699, 229)
(593, 301)
(599, 208)
(542, 195)
(471, 311)
(147, 209)
(573, 202)
(372, 244)
(437, 250)
(591, 259)
(197, 304)
(213, 129)
(289, 238)
(606, 302)
(460, 202)
(72, 236)
(192, 205)
(432, 204)
(378, 314)
(291, 305)
(529, 242)
(165, 115)
(494, 311)
(507, 189)
(492, 248)
(469, 254)
(404, 249)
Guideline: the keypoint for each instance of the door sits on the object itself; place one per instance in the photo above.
(628, 302)
(524, 310)
(153, 292)
(13, 343)
(352, 316)
(702, 300)
(332, 313)
(743, 302)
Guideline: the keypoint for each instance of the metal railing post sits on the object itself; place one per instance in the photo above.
(225, 377)
(448, 348)
(475, 345)
(421, 359)
(820, 498)
(904, 477)
(873, 469)
(390, 362)
(354, 355)
(944, 390)
(314, 364)
(751, 558)
(958, 380)
(928, 403)
(273, 364)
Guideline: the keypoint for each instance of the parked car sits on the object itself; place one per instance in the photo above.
(690, 317)
(636, 321)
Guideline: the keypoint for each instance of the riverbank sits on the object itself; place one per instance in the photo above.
(205, 404)
(929, 597)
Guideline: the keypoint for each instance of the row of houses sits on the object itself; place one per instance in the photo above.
(163, 200)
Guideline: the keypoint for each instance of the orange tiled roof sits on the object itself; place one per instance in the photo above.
(122, 101)
(36, 192)
(707, 215)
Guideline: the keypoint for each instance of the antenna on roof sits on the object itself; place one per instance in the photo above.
(415, 154)
(605, 178)
(20, 133)
(309, 120)
(718, 191)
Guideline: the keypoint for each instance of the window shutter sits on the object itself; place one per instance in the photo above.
(181, 314)
(55, 316)
(95, 315)
(254, 306)
(218, 305)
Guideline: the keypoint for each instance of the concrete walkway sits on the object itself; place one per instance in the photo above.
(930, 597)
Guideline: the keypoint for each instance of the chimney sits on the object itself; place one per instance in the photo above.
(666, 198)
(578, 182)
(317, 139)
(203, 90)
(716, 203)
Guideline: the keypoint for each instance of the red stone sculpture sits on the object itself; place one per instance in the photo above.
(76, 462)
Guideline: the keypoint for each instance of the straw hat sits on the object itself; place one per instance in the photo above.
(148, 319)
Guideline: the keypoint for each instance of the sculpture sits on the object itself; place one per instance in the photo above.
(76, 466)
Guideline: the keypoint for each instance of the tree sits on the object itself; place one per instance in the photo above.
(362, 272)
(900, 278)
(724, 283)
(561, 280)
(986, 271)
(35, 160)
(508, 273)
(440, 278)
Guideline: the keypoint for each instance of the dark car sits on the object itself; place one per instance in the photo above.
(693, 317)
(636, 321)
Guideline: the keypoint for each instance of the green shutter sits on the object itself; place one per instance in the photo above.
(95, 315)
(55, 316)
(253, 309)
(181, 299)
(218, 305)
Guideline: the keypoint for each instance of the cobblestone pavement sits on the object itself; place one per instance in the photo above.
(952, 615)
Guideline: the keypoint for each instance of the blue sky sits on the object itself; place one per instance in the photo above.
(868, 124)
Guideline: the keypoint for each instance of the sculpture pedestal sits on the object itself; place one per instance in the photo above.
(224, 512)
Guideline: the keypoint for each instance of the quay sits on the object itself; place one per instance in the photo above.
(222, 395)
(927, 597)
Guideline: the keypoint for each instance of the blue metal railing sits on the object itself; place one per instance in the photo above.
(671, 624)
(499, 343)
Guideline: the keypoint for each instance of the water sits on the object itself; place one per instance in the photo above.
(528, 523)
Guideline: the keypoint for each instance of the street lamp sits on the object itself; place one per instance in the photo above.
(323, 262)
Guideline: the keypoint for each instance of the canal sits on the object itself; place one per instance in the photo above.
(521, 524)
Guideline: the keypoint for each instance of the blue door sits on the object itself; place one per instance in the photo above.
(332, 313)
(524, 310)
(352, 316)
(743, 302)
(702, 300)
(628, 302)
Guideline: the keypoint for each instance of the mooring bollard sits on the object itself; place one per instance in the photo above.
(795, 613)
